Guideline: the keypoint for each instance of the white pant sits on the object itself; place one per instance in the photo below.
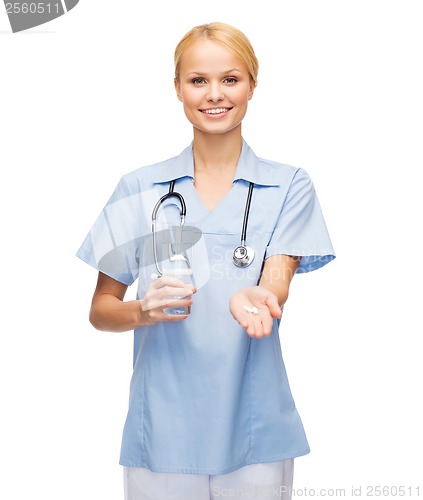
(254, 482)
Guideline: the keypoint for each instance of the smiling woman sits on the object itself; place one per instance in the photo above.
(210, 403)
(215, 93)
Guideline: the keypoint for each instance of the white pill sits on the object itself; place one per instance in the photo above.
(252, 310)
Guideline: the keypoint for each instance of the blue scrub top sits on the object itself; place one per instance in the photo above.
(205, 398)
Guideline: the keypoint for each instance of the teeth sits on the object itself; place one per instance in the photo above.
(214, 111)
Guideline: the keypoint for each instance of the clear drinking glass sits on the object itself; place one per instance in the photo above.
(179, 268)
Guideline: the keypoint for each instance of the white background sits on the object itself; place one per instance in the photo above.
(89, 97)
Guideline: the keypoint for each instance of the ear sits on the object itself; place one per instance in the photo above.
(253, 86)
(178, 88)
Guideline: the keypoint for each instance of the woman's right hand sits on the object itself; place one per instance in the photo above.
(161, 294)
(110, 313)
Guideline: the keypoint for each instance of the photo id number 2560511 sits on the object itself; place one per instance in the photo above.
(32, 8)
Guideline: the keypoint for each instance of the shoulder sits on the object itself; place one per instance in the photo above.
(149, 174)
(283, 173)
(146, 177)
(276, 167)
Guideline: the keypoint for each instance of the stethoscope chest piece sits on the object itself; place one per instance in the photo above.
(243, 256)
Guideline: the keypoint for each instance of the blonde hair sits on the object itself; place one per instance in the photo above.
(222, 33)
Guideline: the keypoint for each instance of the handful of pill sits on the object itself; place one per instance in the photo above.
(252, 310)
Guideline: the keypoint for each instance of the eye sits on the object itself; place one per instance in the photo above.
(198, 80)
(230, 79)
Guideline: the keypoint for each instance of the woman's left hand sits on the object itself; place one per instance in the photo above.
(266, 303)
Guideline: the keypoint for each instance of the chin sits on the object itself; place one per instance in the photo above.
(217, 130)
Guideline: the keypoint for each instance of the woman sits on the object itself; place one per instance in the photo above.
(210, 411)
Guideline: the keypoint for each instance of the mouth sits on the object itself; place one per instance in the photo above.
(215, 111)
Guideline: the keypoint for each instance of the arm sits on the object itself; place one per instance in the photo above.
(110, 313)
(268, 297)
(277, 274)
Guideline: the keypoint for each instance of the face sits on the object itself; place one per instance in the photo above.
(214, 86)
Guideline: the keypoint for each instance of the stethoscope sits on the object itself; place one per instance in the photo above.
(243, 255)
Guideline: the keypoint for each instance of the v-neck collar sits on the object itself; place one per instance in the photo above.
(222, 202)
(249, 168)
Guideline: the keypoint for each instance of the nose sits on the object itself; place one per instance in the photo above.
(214, 93)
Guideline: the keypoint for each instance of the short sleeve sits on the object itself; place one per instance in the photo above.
(112, 245)
(301, 229)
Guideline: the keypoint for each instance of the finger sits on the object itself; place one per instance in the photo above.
(173, 292)
(162, 281)
(266, 323)
(260, 325)
(274, 307)
(177, 309)
(173, 318)
(176, 302)
(253, 323)
(248, 320)
(254, 326)
(242, 318)
(240, 314)
(251, 330)
(158, 299)
(170, 318)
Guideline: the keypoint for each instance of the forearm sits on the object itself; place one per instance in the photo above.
(111, 314)
(108, 313)
(281, 291)
(278, 272)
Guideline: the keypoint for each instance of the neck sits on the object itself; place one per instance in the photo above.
(217, 152)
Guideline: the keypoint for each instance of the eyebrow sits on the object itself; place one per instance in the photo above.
(205, 73)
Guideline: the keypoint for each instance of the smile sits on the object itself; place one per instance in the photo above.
(215, 111)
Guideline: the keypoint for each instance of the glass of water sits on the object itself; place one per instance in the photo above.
(180, 269)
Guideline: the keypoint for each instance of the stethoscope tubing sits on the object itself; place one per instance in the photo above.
(183, 212)
(248, 253)
(246, 215)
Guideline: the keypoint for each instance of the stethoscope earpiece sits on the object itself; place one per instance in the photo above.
(243, 256)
